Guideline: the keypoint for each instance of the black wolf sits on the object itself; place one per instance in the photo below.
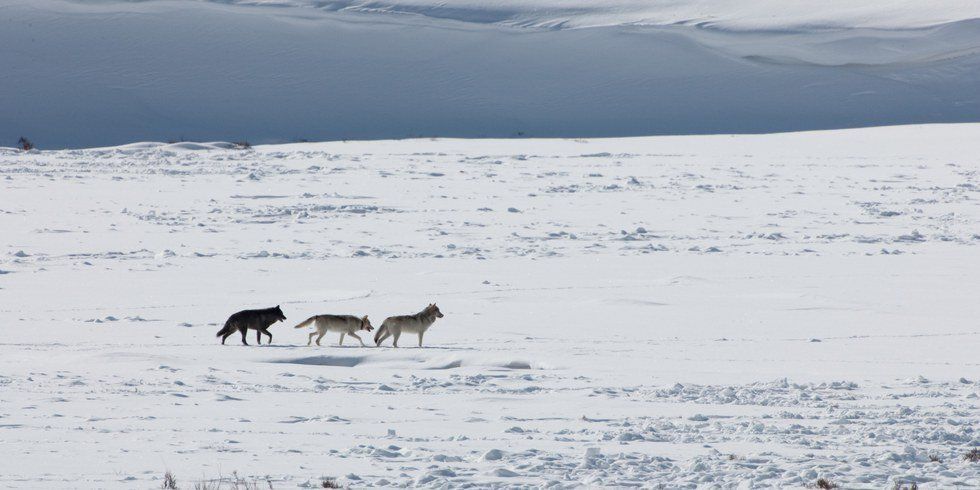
(258, 320)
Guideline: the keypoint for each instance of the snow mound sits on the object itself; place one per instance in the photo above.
(182, 145)
(106, 73)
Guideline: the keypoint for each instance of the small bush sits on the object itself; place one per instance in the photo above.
(825, 484)
(242, 145)
(169, 481)
(329, 483)
(25, 144)
(903, 486)
(935, 458)
(973, 455)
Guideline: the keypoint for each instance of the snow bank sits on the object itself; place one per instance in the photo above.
(105, 73)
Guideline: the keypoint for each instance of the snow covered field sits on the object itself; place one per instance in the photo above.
(80, 73)
(677, 311)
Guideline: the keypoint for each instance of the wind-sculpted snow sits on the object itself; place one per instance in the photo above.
(673, 312)
(724, 14)
(81, 74)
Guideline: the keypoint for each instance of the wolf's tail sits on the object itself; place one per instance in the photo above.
(309, 321)
(381, 331)
(226, 329)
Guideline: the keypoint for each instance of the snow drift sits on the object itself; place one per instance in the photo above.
(103, 73)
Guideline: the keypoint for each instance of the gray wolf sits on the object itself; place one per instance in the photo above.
(258, 320)
(417, 323)
(345, 324)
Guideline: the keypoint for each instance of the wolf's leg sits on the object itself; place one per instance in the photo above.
(310, 340)
(398, 333)
(341, 338)
(420, 338)
(258, 336)
(266, 331)
(320, 337)
(243, 331)
(225, 336)
(358, 339)
(387, 333)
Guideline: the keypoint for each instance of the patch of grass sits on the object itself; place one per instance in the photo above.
(972, 455)
(825, 484)
(169, 481)
(234, 482)
(239, 483)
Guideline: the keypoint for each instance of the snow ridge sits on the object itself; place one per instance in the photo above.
(719, 14)
(309, 70)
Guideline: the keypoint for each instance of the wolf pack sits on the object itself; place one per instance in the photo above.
(345, 325)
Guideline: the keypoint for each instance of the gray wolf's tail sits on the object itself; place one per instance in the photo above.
(377, 335)
(226, 329)
(308, 322)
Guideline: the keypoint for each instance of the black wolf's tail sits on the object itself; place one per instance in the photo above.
(377, 335)
(226, 329)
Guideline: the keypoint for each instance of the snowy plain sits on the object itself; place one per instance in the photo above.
(698, 311)
(109, 72)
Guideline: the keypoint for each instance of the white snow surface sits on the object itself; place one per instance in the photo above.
(704, 311)
(95, 73)
(726, 14)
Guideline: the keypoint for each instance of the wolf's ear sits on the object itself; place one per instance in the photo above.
(364, 319)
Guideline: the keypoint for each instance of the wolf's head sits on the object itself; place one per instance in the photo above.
(279, 316)
(366, 324)
(434, 310)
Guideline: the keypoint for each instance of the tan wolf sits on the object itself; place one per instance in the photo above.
(345, 324)
(417, 323)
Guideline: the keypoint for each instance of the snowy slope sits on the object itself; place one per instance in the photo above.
(724, 14)
(110, 72)
(758, 310)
